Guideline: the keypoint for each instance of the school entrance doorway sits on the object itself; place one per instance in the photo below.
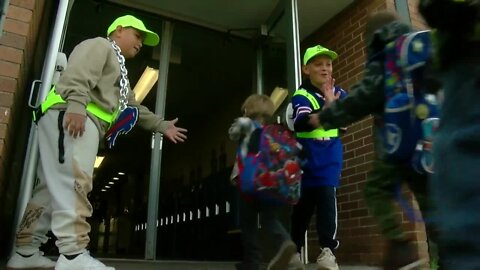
(157, 200)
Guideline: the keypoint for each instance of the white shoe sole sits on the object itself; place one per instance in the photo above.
(281, 260)
(414, 265)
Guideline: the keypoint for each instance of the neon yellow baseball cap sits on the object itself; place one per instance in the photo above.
(151, 38)
(318, 50)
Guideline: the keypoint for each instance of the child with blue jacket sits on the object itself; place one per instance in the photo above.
(324, 156)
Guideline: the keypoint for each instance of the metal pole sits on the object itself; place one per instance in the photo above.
(402, 8)
(294, 75)
(260, 89)
(65, 27)
(156, 161)
(31, 157)
(293, 46)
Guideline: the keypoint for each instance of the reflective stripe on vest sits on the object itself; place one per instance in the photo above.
(319, 132)
(53, 98)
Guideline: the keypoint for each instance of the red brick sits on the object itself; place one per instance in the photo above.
(348, 137)
(348, 171)
(368, 140)
(28, 4)
(342, 198)
(355, 144)
(11, 54)
(355, 161)
(364, 150)
(354, 127)
(343, 215)
(9, 69)
(19, 13)
(348, 206)
(348, 188)
(362, 133)
(364, 167)
(349, 223)
(3, 131)
(13, 40)
(17, 27)
(6, 99)
(348, 154)
(356, 178)
(4, 115)
(8, 84)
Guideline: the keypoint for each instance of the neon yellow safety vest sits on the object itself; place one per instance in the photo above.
(319, 132)
(53, 98)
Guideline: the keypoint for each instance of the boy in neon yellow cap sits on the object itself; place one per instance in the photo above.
(321, 171)
(92, 97)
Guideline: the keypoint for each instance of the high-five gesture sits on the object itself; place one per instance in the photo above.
(175, 134)
(328, 89)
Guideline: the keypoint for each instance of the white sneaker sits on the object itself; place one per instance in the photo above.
(36, 261)
(326, 260)
(82, 262)
(296, 262)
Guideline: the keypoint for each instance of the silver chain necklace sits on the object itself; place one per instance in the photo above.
(123, 101)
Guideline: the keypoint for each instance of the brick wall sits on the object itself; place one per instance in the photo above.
(361, 240)
(417, 20)
(17, 46)
(19, 54)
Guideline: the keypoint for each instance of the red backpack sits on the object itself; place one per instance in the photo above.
(269, 166)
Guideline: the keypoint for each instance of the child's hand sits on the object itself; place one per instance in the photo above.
(74, 123)
(175, 134)
(328, 90)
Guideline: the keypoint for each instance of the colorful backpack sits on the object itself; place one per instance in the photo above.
(269, 166)
(411, 114)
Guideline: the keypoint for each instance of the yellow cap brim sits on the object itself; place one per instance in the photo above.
(333, 55)
(151, 38)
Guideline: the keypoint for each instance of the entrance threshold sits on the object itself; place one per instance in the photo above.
(127, 264)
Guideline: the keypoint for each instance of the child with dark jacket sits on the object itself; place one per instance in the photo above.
(455, 185)
(365, 98)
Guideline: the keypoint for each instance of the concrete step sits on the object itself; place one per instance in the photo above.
(121, 264)
(128, 264)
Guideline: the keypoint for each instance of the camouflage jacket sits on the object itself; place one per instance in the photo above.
(367, 96)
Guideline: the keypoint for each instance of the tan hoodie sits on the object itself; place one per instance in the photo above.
(93, 75)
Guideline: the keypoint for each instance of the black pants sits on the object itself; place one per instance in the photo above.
(271, 224)
(322, 201)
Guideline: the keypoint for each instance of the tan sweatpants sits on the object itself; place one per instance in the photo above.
(64, 178)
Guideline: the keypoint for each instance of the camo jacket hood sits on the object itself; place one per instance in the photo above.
(385, 35)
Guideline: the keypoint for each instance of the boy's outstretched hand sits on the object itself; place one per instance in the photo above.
(173, 133)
